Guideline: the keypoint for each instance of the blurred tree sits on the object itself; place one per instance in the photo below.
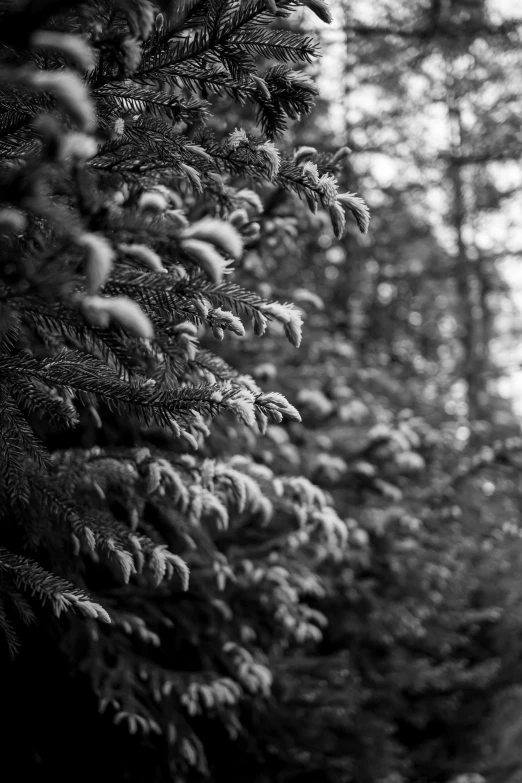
(433, 110)
(395, 374)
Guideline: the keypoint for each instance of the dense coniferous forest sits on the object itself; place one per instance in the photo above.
(260, 443)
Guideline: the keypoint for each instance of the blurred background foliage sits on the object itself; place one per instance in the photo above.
(408, 381)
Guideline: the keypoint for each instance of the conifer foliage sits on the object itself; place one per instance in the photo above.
(122, 215)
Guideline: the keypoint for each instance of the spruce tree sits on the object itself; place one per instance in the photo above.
(124, 211)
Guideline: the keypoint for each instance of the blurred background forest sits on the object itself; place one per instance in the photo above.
(409, 383)
(397, 656)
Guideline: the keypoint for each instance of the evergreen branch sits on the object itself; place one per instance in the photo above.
(9, 329)
(74, 370)
(166, 49)
(15, 438)
(146, 100)
(11, 637)
(18, 144)
(167, 145)
(153, 291)
(22, 606)
(101, 532)
(37, 401)
(239, 63)
(12, 120)
(57, 499)
(291, 95)
(175, 300)
(211, 60)
(245, 160)
(205, 360)
(281, 45)
(62, 594)
(98, 531)
(68, 324)
(233, 297)
(199, 71)
(25, 103)
(293, 178)
(12, 469)
(235, 15)
(140, 278)
(16, 428)
(238, 15)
